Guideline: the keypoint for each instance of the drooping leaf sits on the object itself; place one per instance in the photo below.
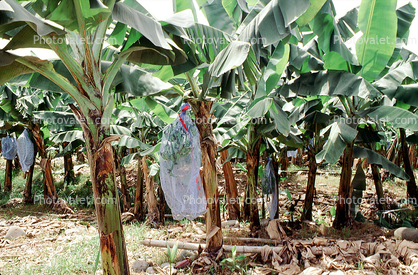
(269, 23)
(28, 38)
(405, 93)
(396, 117)
(280, 119)
(376, 158)
(10, 68)
(228, 112)
(405, 15)
(395, 77)
(20, 16)
(229, 58)
(55, 117)
(145, 25)
(331, 84)
(67, 136)
(207, 41)
(130, 142)
(71, 147)
(152, 150)
(340, 134)
(119, 130)
(136, 81)
(359, 180)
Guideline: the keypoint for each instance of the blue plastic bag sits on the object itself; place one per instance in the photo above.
(25, 150)
(9, 148)
(180, 162)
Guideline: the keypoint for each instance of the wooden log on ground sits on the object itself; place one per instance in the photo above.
(248, 240)
(194, 246)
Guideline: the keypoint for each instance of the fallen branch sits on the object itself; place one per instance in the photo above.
(248, 240)
(195, 246)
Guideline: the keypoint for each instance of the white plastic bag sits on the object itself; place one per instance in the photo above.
(25, 150)
(180, 161)
(269, 188)
(9, 147)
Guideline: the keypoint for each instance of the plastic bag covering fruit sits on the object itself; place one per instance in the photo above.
(269, 188)
(25, 150)
(8, 147)
(180, 161)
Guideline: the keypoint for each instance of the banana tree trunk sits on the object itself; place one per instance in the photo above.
(50, 194)
(299, 155)
(245, 209)
(124, 188)
(381, 202)
(8, 176)
(105, 192)
(153, 212)
(310, 188)
(276, 174)
(390, 152)
(412, 153)
(161, 204)
(253, 156)
(27, 193)
(208, 145)
(17, 163)
(411, 186)
(284, 162)
(342, 217)
(122, 177)
(106, 199)
(139, 194)
(80, 156)
(231, 188)
(68, 167)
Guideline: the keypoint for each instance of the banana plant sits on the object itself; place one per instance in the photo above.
(81, 72)
(231, 67)
(310, 115)
(24, 105)
(145, 129)
(399, 85)
(368, 63)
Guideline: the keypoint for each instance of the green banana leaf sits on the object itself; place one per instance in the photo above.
(330, 84)
(396, 117)
(378, 22)
(376, 158)
(340, 134)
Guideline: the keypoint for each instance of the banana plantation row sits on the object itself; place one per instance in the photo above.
(260, 77)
